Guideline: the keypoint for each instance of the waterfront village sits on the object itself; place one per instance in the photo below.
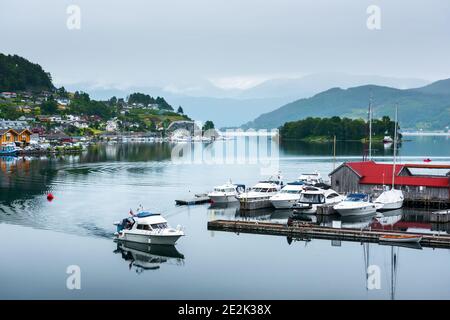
(59, 121)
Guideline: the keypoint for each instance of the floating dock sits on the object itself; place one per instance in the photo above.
(307, 231)
(198, 199)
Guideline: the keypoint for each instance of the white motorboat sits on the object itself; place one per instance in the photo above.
(147, 227)
(258, 196)
(392, 199)
(310, 178)
(312, 197)
(288, 196)
(226, 193)
(356, 204)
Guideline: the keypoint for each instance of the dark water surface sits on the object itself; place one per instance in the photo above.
(40, 238)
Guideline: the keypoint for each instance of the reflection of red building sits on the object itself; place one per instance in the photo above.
(400, 225)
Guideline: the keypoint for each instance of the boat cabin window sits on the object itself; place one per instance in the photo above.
(265, 189)
(143, 227)
(332, 195)
(159, 225)
(312, 198)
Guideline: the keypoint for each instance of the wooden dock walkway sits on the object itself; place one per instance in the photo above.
(307, 231)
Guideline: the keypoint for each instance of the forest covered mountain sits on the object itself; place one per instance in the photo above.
(425, 108)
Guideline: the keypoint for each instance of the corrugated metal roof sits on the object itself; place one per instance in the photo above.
(381, 173)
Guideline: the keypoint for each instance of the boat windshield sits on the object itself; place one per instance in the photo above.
(264, 189)
(312, 198)
(224, 189)
(291, 191)
(356, 197)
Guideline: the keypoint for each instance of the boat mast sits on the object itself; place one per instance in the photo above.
(395, 146)
(334, 152)
(370, 128)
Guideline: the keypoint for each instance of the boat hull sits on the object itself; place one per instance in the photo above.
(357, 211)
(223, 199)
(149, 239)
(284, 204)
(391, 205)
(254, 203)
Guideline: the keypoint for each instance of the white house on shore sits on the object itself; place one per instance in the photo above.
(112, 125)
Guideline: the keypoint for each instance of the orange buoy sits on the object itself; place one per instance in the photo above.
(50, 197)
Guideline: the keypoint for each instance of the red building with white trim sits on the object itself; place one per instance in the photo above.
(419, 182)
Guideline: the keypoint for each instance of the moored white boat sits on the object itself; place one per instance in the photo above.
(310, 178)
(390, 199)
(288, 196)
(226, 193)
(149, 228)
(356, 204)
(258, 196)
(312, 197)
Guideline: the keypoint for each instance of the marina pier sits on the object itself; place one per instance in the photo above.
(306, 231)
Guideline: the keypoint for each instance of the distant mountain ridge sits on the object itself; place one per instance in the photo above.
(425, 107)
(231, 108)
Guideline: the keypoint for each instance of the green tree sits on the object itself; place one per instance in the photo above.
(208, 125)
(180, 110)
(50, 106)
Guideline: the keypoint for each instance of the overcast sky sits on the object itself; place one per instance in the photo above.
(230, 43)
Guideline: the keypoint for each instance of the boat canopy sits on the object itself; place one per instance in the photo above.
(296, 183)
(144, 214)
(356, 197)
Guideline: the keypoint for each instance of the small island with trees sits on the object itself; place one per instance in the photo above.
(344, 129)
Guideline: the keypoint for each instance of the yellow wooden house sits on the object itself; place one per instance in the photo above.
(8, 136)
(11, 135)
(24, 136)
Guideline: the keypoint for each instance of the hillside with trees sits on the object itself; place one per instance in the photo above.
(17, 73)
(146, 100)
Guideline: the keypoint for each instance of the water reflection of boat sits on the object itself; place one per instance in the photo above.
(357, 222)
(223, 209)
(387, 220)
(148, 257)
(410, 245)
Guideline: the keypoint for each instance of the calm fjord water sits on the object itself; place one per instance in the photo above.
(40, 238)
